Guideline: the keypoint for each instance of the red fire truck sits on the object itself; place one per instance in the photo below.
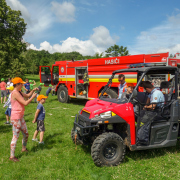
(67, 75)
(175, 61)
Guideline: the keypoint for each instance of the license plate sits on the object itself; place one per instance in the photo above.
(77, 128)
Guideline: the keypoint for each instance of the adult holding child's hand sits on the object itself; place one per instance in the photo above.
(17, 114)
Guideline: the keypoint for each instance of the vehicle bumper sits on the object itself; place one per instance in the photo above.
(82, 125)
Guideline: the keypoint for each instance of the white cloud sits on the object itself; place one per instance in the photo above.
(16, 5)
(163, 38)
(101, 37)
(65, 12)
(98, 42)
(38, 21)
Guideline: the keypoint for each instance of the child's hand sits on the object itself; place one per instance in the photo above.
(34, 95)
(35, 89)
(34, 121)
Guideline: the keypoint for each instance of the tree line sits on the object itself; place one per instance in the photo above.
(33, 59)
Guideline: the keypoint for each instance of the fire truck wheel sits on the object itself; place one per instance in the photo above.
(73, 137)
(111, 94)
(62, 94)
(108, 149)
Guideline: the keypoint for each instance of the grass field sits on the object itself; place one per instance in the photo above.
(59, 158)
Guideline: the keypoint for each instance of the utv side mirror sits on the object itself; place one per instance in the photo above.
(134, 93)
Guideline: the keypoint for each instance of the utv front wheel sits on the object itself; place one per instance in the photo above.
(108, 149)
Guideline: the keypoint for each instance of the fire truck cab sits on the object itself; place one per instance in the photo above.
(67, 76)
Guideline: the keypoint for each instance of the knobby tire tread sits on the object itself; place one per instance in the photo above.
(95, 149)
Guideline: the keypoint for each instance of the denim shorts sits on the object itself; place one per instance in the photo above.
(8, 111)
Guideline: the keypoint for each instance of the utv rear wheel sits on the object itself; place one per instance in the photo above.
(108, 149)
(111, 94)
(62, 94)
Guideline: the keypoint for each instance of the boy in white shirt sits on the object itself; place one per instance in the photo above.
(8, 103)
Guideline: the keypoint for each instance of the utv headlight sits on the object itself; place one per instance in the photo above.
(104, 115)
(107, 114)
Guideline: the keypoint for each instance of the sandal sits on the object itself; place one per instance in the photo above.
(14, 159)
(24, 150)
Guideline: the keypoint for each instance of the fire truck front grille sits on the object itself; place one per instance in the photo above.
(85, 114)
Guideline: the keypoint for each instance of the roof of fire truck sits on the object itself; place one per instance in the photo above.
(148, 68)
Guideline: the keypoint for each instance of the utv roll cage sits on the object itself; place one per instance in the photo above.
(141, 72)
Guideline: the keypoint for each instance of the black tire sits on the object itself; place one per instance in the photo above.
(111, 94)
(108, 149)
(62, 94)
(73, 137)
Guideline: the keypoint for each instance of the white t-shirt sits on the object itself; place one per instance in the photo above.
(9, 84)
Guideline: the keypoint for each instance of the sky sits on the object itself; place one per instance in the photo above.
(92, 26)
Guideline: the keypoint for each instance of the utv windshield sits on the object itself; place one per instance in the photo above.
(161, 77)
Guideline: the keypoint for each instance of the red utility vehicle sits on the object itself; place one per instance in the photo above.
(108, 125)
(67, 76)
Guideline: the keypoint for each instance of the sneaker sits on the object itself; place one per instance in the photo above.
(41, 142)
(7, 122)
(35, 140)
(13, 159)
(10, 124)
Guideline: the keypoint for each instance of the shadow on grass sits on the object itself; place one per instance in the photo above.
(49, 143)
(81, 102)
(151, 153)
(143, 154)
(86, 149)
(5, 128)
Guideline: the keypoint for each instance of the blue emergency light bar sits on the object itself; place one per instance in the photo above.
(141, 65)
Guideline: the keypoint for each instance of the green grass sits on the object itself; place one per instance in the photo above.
(59, 158)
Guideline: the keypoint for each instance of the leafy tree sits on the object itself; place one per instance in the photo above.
(171, 56)
(116, 50)
(98, 55)
(12, 28)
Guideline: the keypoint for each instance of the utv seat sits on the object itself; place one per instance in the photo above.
(166, 85)
(142, 97)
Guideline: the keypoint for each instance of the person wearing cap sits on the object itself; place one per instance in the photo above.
(3, 91)
(32, 83)
(38, 91)
(129, 90)
(122, 86)
(17, 115)
(39, 118)
(8, 103)
(50, 89)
